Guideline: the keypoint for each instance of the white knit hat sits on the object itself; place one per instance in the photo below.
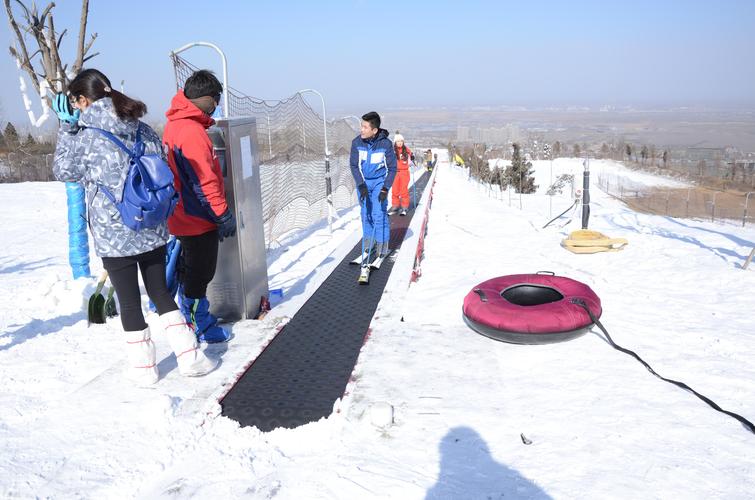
(398, 137)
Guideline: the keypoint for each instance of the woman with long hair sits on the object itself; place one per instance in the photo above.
(86, 155)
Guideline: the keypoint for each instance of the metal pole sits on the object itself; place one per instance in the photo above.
(359, 121)
(747, 201)
(586, 194)
(668, 195)
(550, 198)
(269, 136)
(328, 183)
(689, 190)
(549, 155)
(225, 68)
(324, 122)
(713, 211)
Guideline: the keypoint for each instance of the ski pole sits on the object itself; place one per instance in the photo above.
(372, 238)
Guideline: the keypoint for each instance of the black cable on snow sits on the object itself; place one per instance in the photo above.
(746, 423)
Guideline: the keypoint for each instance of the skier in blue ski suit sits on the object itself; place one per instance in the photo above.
(373, 165)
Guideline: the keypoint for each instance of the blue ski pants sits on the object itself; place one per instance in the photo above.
(374, 216)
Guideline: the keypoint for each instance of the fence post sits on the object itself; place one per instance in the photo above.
(668, 195)
(713, 211)
(747, 201)
(689, 190)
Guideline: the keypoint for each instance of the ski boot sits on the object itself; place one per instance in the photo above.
(197, 313)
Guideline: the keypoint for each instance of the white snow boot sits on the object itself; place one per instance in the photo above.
(140, 350)
(192, 362)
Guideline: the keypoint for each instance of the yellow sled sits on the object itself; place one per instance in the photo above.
(586, 241)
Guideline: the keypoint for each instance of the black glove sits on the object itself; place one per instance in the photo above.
(362, 191)
(383, 194)
(226, 225)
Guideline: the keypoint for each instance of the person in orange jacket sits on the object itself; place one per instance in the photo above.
(400, 197)
(202, 217)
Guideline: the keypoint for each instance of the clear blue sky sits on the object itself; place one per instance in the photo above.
(370, 55)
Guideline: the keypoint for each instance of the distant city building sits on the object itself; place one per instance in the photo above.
(489, 135)
(697, 154)
(462, 134)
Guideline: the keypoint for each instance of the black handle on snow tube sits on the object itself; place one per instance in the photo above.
(482, 295)
(746, 423)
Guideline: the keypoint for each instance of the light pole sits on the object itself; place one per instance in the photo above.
(269, 136)
(225, 68)
(328, 183)
(358, 120)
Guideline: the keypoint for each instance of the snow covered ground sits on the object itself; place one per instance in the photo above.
(600, 425)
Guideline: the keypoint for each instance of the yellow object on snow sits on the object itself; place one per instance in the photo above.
(587, 241)
(458, 160)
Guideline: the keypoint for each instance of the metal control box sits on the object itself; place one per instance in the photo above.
(241, 277)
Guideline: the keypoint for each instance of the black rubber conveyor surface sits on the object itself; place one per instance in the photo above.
(306, 367)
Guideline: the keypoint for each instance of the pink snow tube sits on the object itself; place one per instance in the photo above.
(530, 308)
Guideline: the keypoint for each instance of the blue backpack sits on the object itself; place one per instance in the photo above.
(148, 195)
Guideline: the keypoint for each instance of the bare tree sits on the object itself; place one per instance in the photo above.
(46, 42)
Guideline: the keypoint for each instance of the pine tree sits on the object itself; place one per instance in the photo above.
(30, 141)
(11, 135)
(519, 173)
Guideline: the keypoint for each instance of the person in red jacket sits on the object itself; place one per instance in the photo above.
(400, 197)
(202, 216)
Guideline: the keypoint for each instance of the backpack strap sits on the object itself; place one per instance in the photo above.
(117, 141)
(123, 147)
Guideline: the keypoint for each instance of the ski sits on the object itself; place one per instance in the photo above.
(375, 264)
(362, 258)
(364, 276)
